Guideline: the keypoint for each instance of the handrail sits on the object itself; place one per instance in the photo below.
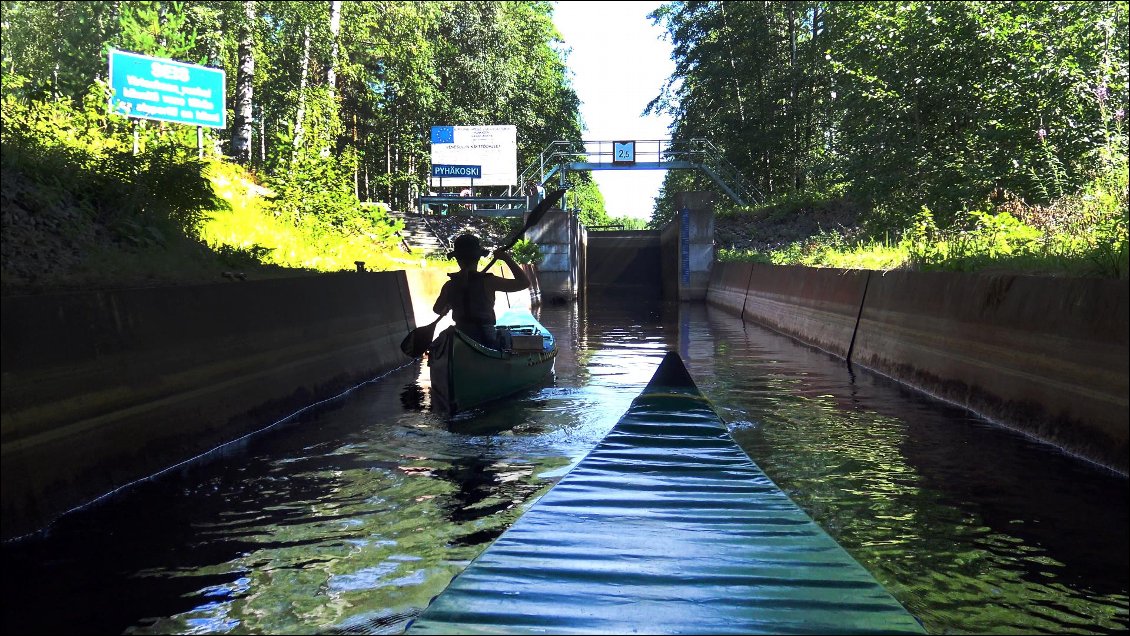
(696, 152)
(439, 237)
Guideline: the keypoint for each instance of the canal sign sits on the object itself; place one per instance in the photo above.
(166, 90)
(447, 170)
(623, 152)
(493, 149)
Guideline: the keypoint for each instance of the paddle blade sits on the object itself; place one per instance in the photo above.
(416, 343)
(534, 217)
(542, 207)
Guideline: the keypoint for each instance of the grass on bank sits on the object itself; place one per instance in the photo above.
(249, 233)
(1078, 235)
(81, 210)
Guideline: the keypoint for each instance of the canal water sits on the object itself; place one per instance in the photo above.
(349, 517)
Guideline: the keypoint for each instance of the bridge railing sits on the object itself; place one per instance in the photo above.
(710, 160)
(650, 153)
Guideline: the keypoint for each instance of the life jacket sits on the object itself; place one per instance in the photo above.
(471, 303)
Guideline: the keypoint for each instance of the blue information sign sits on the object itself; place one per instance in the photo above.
(445, 170)
(166, 90)
(624, 152)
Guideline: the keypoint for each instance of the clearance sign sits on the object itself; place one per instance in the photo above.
(156, 88)
(474, 155)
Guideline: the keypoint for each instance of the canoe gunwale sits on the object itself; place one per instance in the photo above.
(522, 368)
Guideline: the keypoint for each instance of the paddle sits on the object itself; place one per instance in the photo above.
(531, 220)
(417, 341)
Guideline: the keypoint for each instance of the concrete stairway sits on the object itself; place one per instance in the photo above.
(432, 234)
(418, 236)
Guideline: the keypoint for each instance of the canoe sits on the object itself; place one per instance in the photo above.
(465, 374)
(666, 527)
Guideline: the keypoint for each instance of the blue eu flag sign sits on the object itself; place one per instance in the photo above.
(443, 134)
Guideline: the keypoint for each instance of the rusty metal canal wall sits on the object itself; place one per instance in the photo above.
(1045, 356)
(104, 388)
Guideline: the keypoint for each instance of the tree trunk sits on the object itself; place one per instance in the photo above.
(335, 30)
(794, 117)
(331, 67)
(357, 165)
(244, 83)
(733, 64)
(262, 138)
(162, 21)
(301, 114)
(814, 47)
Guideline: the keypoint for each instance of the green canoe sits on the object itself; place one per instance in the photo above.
(666, 527)
(465, 374)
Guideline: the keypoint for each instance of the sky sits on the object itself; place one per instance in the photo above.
(619, 63)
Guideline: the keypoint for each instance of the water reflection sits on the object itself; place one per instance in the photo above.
(974, 527)
(353, 516)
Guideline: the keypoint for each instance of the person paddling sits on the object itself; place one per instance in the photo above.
(469, 294)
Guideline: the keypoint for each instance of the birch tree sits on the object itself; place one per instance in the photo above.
(245, 85)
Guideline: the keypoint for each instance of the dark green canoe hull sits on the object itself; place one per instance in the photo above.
(667, 526)
(465, 374)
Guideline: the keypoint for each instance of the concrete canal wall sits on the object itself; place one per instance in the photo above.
(103, 388)
(687, 247)
(562, 240)
(1046, 356)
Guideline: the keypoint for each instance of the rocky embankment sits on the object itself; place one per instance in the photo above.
(774, 228)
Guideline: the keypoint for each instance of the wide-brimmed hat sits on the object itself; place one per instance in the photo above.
(467, 245)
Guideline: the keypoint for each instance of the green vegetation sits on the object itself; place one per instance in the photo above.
(329, 107)
(965, 135)
(1082, 235)
(252, 232)
(526, 251)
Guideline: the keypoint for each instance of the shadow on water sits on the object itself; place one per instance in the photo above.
(414, 397)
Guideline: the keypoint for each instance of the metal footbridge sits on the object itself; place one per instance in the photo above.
(560, 157)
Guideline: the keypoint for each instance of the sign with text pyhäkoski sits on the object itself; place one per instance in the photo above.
(494, 149)
(166, 90)
(448, 171)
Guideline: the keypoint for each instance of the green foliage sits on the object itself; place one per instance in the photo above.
(901, 104)
(58, 47)
(526, 251)
(242, 257)
(156, 28)
(337, 118)
(584, 196)
(400, 68)
(251, 233)
(143, 199)
(1084, 235)
(629, 222)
